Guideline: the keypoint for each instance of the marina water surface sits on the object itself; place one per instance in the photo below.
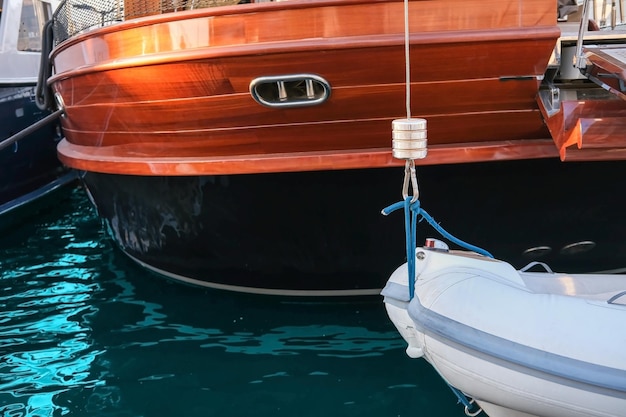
(86, 332)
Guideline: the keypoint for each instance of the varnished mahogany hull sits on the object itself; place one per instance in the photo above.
(199, 182)
(169, 94)
(322, 233)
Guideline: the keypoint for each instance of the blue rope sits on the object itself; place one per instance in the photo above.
(410, 221)
(472, 408)
(411, 211)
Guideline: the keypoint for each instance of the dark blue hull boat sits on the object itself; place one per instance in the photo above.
(29, 168)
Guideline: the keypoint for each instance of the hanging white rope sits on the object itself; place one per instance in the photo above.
(409, 138)
(407, 59)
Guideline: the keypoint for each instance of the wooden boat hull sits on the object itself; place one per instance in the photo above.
(322, 233)
(158, 96)
(204, 178)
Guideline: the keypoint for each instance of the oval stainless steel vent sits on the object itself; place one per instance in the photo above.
(537, 252)
(577, 247)
(293, 90)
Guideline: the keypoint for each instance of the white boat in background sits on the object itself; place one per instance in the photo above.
(29, 167)
(519, 343)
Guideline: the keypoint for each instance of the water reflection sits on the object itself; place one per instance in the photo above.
(84, 331)
(233, 327)
(327, 340)
(44, 333)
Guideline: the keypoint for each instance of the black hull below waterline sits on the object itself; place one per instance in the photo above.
(323, 234)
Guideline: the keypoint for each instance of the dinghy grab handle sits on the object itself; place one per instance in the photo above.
(535, 263)
(616, 297)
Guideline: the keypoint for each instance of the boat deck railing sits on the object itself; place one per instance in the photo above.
(605, 20)
(73, 17)
(596, 31)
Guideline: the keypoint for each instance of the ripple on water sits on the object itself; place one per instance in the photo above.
(85, 332)
(48, 283)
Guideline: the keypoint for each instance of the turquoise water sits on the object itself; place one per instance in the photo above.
(86, 332)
